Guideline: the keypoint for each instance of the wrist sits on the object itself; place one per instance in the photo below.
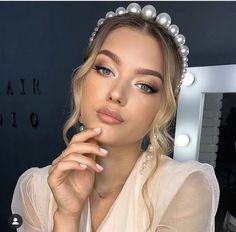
(64, 222)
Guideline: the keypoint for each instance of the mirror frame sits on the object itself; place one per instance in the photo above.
(208, 79)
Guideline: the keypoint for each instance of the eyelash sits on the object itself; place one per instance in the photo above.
(98, 69)
(151, 90)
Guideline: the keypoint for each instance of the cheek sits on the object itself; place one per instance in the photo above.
(87, 98)
(145, 112)
(92, 93)
(88, 85)
(147, 106)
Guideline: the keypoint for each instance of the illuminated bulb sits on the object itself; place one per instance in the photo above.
(188, 79)
(182, 140)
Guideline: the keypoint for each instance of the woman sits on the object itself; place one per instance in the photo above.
(123, 93)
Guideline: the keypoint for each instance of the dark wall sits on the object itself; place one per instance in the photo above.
(41, 43)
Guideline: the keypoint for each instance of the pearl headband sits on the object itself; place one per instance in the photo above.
(163, 19)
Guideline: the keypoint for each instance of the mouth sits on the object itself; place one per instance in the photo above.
(109, 116)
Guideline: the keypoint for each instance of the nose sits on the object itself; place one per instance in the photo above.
(118, 93)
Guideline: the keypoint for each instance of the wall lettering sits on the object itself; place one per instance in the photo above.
(35, 87)
(11, 90)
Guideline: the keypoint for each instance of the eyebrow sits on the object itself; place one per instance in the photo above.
(149, 72)
(144, 71)
(110, 54)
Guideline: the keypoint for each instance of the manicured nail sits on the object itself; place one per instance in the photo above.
(83, 166)
(103, 151)
(97, 129)
(100, 168)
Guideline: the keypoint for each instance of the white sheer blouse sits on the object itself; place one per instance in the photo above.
(184, 195)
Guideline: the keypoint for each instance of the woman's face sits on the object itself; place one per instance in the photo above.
(122, 92)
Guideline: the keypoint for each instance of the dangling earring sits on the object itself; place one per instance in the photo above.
(148, 158)
(82, 127)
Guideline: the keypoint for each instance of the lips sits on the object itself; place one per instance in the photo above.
(109, 116)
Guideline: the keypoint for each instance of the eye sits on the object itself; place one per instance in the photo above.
(103, 70)
(147, 88)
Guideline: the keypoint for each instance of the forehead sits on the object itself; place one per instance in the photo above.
(134, 46)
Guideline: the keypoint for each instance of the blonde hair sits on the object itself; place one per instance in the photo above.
(158, 135)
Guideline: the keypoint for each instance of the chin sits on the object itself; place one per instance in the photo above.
(109, 137)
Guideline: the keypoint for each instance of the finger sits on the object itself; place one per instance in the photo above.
(91, 149)
(59, 157)
(60, 170)
(92, 155)
(85, 135)
(81, 166)
(80, 159)
(90, 163)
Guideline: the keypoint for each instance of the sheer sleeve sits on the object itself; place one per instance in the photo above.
(33, 200)
(193, 208)
(23, 202)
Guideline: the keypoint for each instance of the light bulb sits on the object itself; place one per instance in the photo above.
(188, 79)
(182, 140)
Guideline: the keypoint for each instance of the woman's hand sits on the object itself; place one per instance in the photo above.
(71, 176)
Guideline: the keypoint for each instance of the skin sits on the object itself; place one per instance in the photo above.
(118, 87)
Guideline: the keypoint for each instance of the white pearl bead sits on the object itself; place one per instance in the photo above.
(144, 164)
(164, 19)
(150, 148)
(110, 14)
(120, 11)
(81, 128)
(185, 65)
(134, 8)
(179, 39)
(100, 22)
(185, 59)
(149, 157)
(184, 50)
(173, 30)
(149, 11)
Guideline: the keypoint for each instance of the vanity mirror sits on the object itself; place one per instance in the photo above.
(199, 111)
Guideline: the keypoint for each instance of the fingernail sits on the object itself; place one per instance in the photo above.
(100, 168)
(83, 166)
(103, 151)
(97, 129)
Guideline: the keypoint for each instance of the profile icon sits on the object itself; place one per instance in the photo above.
(15, 221)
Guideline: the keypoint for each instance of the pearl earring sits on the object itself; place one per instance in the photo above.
(148, 158)
(82, 127)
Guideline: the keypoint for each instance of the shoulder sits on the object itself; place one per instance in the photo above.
(31, 182)
(35, 171)
(189, 195)
(183, 170)
(190, 178)
(34, 176)
(32, 198)
(183, 184)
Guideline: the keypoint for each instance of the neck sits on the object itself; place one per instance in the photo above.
(117, 166)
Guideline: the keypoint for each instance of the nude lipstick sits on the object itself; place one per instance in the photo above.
(109, 116)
